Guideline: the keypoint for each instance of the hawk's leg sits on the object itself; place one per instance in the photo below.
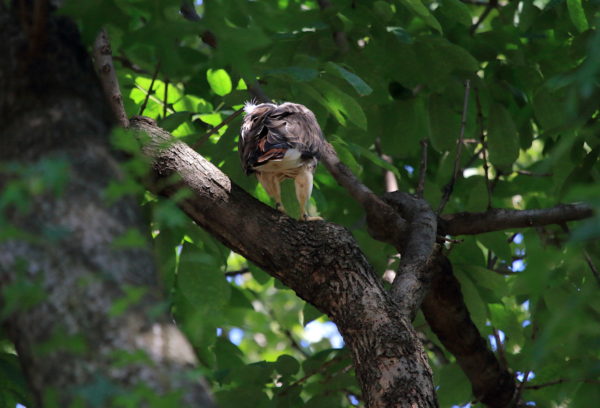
(304, 185)
(270, 182)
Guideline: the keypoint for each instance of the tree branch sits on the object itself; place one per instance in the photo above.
(414, 272)
(384, 223)
(502, 219)
(108, 78)
(320, 261)
(448, 317)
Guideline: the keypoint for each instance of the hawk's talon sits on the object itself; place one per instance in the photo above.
(279, 207)
(306, 217)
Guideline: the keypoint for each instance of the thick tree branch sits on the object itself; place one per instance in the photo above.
(446, 313)
(384, 223)
(414, 272)
(320, 261)
(501, 219)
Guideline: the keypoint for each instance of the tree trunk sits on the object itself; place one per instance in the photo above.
(79, 306)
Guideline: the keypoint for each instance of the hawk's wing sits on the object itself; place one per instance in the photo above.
(269, 131)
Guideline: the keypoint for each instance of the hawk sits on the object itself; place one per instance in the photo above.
(279, 142)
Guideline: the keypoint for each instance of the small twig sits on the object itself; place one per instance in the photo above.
(422, 168)
(441, 239)
(322, 368)
(590, 263)
(476, 2)
(500, 348)
(188, 10)
(391, 183)
(127, 63)
(521, 386)
(339, 37)
(483, 149)
(556, 382)
(529, 173)
(106, 72)
(150, 90)
(233, 274)
(492, 4)
(215, 129)
(504, 271)
(450, 186)
(165, 98)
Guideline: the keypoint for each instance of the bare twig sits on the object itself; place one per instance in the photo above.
(529, 173)
(521, 386)
(320, 369)
(239, 272)
(492, 4)
(339, 37)
(215, 129)
(127, 63)
(150, 90)
(500, 348)
(590, 263)
(165, 105)
(556, 382)
(459, 143)
(188, 10)
(422, 168)
(106, 71)
(391, 183)
(483, 149)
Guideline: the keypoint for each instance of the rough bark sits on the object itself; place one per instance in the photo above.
(320, 261)
(51, 108)
(449, 319)
(502, 219)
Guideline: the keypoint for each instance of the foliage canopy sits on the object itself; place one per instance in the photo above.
(381, 76)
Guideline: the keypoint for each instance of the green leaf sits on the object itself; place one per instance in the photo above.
(341, 105)
(445, 124)
(456, 10)
(453, 385)
(577, 15)
(549, 108)
(287, 365)
(345, 155)
(357, 83)
(417, 7)
(503, 140)
(310, 313)
(246, 396)
(219, 81)
(359, 150)
(200, 280)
